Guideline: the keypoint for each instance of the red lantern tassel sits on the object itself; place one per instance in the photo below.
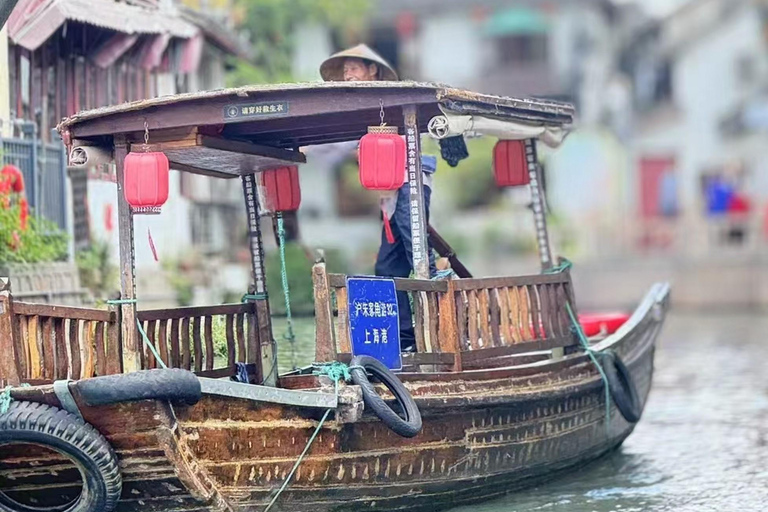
(388, 228)
(152, 245)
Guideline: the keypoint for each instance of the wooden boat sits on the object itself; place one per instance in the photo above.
(507, 394)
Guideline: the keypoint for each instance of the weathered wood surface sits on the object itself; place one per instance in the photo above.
(485, 432)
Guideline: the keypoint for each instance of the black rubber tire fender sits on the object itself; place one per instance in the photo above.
(54, 428)
(622, 387)
(408, 427)
(173, 384)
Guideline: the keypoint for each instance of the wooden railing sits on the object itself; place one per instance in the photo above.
(207, 340)
(463, 323)
(58, 342)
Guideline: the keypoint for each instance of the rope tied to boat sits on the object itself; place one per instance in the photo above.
(289, 334)
(336, 371)
(144, 337)
(566, 265)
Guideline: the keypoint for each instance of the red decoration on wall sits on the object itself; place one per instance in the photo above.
(510, 166)
(146, 181)
(282, 192)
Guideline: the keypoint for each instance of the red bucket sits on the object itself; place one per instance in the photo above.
(602, 323)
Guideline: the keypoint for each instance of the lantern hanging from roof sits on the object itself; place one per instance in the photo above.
(510, 166)
(282, 192)
(145, 183)
(382, 159)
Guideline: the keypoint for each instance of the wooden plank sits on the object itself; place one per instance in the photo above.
(208, 336)
(98, 315)
(131, 346)
(114, 348)
(474, 332)
(413, 358)
(525, 316)
(339, 281)
(325, 343)
(460, 301)
(87, 342)
(417, 210)
(231, 343)
(186, 357)
(189, 312)
(149, 328)
(175, 344)
(505, 326)
(218, 373)
(495, 316)
(242, 353)
(442, 247)
(10, 372)
(344, 340)
(264, 367)
(448, 326)
(37, 355)
(74, 349)
(198, 343)
(484, 317)
(418, 315)
(162, 342)
(499, 282)
(62, 360)
(100, 348)
(49, 349)
(544, 326)
(471, 356)
(433, 322)
(514, 314)
(248, 148)
(562, 312)
(21, 338)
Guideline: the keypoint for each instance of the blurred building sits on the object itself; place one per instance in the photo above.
(70, 55)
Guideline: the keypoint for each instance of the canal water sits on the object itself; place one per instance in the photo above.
(702, 444)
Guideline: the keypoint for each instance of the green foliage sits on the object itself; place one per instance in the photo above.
(470, 184)
(299, 270)
(180, 282)
(272, 24)
(97, 273)
(41, 241)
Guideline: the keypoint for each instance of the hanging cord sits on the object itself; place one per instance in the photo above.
(144, 337)
(289, 335)
(336, 371)
(577, 329)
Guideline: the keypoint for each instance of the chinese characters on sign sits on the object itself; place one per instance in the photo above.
(418, 223)
(373, 319)
(254, 229)
(256, 109)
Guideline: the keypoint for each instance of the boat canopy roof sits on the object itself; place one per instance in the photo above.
(229, 132)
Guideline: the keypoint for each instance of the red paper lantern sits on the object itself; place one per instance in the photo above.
(510, 166)
(382, 159)
(282, 192)
(146, 181)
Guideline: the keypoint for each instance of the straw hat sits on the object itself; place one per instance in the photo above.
(332, 69)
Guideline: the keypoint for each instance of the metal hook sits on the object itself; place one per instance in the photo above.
(381, 112)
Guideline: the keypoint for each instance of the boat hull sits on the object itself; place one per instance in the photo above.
(485, 433)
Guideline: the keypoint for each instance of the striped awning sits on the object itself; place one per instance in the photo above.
(34, 21)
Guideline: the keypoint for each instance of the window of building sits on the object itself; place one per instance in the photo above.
(522, 49)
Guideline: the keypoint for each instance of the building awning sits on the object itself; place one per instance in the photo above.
(516, 21)
(34, 21)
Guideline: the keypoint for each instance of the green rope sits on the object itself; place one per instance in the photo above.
(564, 266)
(253, 296)
(443, 274)
(336, 371)
(144, 336)
(6, 398)
(290, 336)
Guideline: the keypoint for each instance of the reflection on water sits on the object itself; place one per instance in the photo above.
(702, 444)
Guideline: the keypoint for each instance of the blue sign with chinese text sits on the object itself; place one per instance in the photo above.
(373, 319)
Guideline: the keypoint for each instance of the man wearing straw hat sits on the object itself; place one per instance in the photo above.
(395, 259)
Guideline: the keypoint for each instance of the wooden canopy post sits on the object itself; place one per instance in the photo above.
(537, 202)
(261, 344)
(419, 234)
(10, 361)
(129, 336)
